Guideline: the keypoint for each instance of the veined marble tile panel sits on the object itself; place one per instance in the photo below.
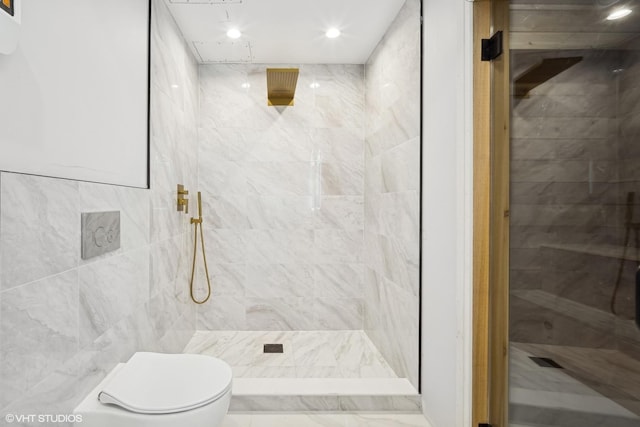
(225, 246)
(110, 290)
(551, 105)
(401, 167)
(563, 170)
(279, 178)
(219, 177)
(569, 193)
(224, 211)
(279, 246)
(339, 144)
(39, 227)
(338, 280)
(228, 279)
(46, 315)
(279, 280)
(280, 212)
(277, 314)
(338, 246)
(552, 127)
(282, 144)
(568, 149)
(342, 179)
(340, 212)
(222, 312)
(230, 144)
(562, 215)
(165, 261)
(338, 313)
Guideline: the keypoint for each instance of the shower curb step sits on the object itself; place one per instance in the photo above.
(324, 394)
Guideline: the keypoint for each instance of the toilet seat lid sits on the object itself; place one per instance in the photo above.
(155, 383)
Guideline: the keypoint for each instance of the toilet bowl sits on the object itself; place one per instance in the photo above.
(160, 390)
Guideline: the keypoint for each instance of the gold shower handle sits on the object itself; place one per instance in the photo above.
(200, 205)
(183, 203)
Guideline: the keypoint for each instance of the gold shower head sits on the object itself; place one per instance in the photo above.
(281, 85)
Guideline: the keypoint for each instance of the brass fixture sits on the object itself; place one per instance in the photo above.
(183, 203)
(198, 221)
(281, 85)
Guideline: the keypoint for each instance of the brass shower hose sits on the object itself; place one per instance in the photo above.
(195, 251)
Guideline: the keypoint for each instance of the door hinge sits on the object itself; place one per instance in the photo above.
(492, 48)
(484, 425)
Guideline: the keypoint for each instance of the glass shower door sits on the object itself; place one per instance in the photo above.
(575, 214)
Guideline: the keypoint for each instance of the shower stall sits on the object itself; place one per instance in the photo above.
(575, 215)
(311, 218)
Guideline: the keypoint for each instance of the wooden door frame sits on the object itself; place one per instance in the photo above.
(491, 98)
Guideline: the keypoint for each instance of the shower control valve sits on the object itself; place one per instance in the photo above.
(183, 203)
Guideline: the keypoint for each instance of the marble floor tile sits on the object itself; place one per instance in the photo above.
(326, 419)
(306, 354)
(596, 383)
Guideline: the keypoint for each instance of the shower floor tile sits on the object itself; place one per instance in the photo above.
(307, 354)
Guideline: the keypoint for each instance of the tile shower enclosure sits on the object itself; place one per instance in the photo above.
(311, 216)
(312, 211)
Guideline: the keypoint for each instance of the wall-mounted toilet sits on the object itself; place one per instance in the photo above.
(160, 390)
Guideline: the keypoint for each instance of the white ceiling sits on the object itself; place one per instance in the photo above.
(284, 31)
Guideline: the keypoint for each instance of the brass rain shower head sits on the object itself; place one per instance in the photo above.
(281, 85)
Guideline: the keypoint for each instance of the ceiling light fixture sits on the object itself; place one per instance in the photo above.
(314, 85)
(619, 13)
(234, 33)
(332, 33)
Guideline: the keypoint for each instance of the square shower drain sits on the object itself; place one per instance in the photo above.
(273, 348)
(545, 362)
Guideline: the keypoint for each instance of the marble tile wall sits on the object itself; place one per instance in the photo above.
(574, 158)
(392, 193)
(65, 322)
(283, 195)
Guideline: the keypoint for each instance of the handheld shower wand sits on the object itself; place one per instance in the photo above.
(197, 222)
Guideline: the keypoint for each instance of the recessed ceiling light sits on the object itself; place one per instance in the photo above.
(619, 13)
(234, 33)
(314, 85)
(332, 33)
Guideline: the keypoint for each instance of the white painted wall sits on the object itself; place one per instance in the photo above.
(447, 212)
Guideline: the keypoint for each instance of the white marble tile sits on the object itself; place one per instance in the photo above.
(279, 280)
(39, 331)
(39, 227)
(341, 212)
(224, 211)
(280, 213)
(386, 420)
(224, 246)
(339, 280)
(342, 178)
(110, 290)
(297, 420)
(401, 167)
(279, 178)
(338, 313)
(279, 314)
(279, 246)
(227, 279)
(222, 312)
(338, 246)
(312, 349)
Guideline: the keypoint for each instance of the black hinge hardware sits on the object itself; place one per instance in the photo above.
(484, 425)
(492, 48)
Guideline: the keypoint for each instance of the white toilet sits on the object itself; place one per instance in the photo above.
(159, 390)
